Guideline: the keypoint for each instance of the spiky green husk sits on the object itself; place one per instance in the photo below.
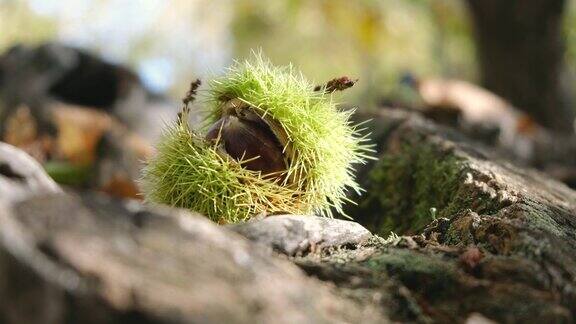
(188, 172)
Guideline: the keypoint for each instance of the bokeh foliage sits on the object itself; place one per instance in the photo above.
(375, 41)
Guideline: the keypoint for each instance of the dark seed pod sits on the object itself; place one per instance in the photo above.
(247, 138)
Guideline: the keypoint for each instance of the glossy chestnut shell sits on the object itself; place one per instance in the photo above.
(248, 138)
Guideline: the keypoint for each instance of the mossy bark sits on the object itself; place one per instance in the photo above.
(501, 246)
(419, 178)
(501, 243)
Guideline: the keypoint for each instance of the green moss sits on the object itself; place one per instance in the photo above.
(409, 188)
(418, 271)
(68, 174)
(405, 186)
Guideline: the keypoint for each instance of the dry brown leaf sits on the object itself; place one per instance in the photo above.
(121, 186)
(21, 128)
(479, 106)
(79, 131)
(22, 132)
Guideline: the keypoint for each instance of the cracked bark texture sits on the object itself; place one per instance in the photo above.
(486, 236)
(480, 239)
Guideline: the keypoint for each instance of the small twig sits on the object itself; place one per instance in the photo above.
(191, 94)
(189, 98)
(337, 84)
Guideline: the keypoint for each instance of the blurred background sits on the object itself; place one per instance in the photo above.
(523, 52)
(169, 42)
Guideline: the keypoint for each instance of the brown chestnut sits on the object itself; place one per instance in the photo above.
(246, 136)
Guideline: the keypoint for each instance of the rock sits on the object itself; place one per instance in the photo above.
(21, 176)
(89, 122)
(90, 259)
(299, 234)
(38, 75)
(476, 318)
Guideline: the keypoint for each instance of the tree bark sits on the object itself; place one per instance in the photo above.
(520, 49)
(509, 232)
(483, 240)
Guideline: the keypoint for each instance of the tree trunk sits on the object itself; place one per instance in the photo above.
(486, 240)
(520, 49)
